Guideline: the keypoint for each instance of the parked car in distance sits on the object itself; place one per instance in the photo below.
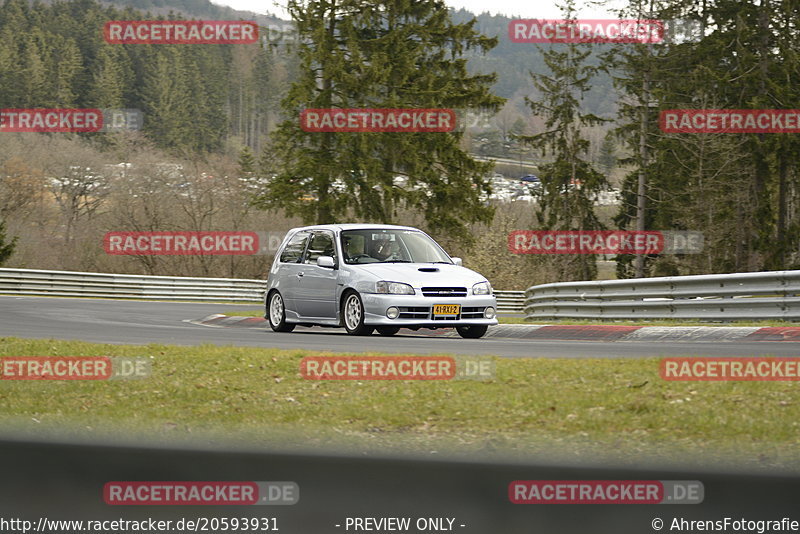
(368, 277)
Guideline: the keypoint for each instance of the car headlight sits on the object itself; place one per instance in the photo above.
(393, 288)
(482, 288)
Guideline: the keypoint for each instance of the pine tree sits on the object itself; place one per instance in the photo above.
(9, 57)
(739, 189)
(205, 121)
(6, 247)
(569, 181)
(164, 98)
(388, 54)
(64, 65)
(13, 26)
(108, 81)
(607, 158)
(37, 92)
(247, 162)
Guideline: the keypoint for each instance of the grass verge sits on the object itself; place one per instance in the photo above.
(590, 409)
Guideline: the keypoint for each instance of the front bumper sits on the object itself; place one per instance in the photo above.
(417, 310)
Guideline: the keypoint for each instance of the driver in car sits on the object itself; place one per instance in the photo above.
(386, 250)
(349, 247)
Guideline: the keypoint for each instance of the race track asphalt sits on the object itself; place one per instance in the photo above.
(143, 322)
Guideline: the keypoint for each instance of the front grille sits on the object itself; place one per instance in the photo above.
(472, 312)
(444, 291)
(414, 312)
(424, 312)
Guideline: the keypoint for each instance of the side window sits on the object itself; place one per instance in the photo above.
(294, 248)
(352, 245)
(321, 245)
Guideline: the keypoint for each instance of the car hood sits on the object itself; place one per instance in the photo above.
(444, 275)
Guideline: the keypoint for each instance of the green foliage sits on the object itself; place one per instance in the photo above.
(739, 189)
(742, 190)
(513, 61)
(6, 246)
(393, 54)
(569, 182)
(53, 55)
(247, 162)
(607, 159)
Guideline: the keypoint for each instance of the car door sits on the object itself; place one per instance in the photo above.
(290, 270)
(316, 293)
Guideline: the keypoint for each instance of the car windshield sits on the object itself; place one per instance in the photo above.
(390, 246)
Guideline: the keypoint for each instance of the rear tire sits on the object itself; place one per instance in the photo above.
(276, 313)
(353, 315)
(388, 330)
(473, 331)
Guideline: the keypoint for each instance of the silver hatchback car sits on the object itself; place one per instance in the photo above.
(369, 276)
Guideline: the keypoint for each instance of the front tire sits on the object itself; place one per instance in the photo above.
(353, 315)
(472, 331)
(388, 330)
(276, 313)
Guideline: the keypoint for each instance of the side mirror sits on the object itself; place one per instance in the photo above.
(326, 261)
(457, 261)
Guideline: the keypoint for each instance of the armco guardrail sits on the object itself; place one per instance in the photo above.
(78, 284)
(717, 297)
(510, 301)
(129, 286)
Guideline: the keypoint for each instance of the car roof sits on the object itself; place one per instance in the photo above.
(354, 226)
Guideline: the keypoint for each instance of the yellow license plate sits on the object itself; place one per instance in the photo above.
(446, 309)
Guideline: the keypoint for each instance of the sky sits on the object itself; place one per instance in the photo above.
(511, 8)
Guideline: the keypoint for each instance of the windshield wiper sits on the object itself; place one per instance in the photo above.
(397, 261)
(445, 262)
